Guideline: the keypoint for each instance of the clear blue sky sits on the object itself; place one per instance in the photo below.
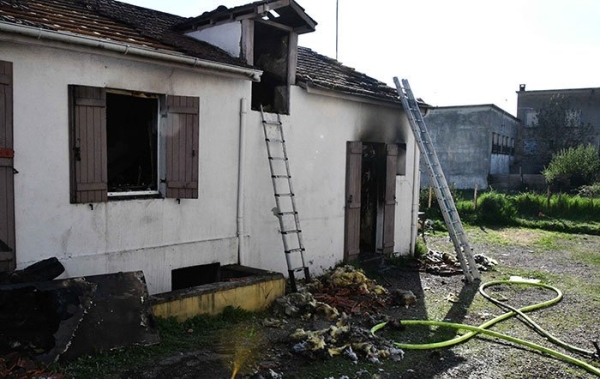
(452, 52)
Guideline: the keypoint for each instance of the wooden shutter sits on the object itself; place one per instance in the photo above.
(353, 184)
(7, 187)
(88, 144)
(182, 147)
(389, 209)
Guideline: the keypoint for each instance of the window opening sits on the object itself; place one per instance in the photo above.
(132, 144)
(271, 54)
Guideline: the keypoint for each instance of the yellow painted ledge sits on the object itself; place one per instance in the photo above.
(253, 293)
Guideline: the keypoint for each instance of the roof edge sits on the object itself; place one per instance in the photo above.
(126, 49)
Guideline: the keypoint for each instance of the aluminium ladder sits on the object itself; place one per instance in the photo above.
(286, 211)
(440, 185)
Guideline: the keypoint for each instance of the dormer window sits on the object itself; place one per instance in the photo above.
(263, 34)
(272, 55)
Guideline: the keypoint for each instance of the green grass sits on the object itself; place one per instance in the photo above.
(174, 337)
(559, 212)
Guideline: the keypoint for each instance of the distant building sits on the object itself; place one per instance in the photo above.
(534, 143)
(472, 142)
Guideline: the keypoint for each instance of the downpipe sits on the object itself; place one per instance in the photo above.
(241, 233)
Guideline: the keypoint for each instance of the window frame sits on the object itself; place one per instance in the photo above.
(177, 146)
(160, 168)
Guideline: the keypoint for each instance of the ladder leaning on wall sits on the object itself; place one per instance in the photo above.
(285, 199)
(440, 185)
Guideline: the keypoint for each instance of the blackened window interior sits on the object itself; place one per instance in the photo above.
(131, 123)
(271, 55)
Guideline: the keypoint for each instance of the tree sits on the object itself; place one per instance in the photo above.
(576, 166)
(558, 126)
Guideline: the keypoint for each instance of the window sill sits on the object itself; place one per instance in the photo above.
(118, 196)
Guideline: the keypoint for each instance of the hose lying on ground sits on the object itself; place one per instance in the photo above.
(473, 330)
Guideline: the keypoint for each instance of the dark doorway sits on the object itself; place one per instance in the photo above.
(372, 197)
(371, 169)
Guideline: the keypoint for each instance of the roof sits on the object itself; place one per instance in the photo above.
(129, 24)
(316, 70)
(553, 91)
(114, 21)
(288, 13)
(482, 106)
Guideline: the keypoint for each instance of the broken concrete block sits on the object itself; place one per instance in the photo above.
(40, 319)
(46, 269)
(119, 316)
(65, 319)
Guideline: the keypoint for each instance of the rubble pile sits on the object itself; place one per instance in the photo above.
(341, 297)
(349, 290)
(346, 340)
(446, 264)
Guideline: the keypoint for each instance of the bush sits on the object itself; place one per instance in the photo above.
(591, 191)
(575, 166)
(495, 209)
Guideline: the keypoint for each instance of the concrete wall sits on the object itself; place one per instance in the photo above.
(463, 137)
(530, 157)
(159, 235)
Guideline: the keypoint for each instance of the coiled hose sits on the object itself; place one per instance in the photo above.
(511, 311)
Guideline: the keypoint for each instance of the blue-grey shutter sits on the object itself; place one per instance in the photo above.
(88, 144)
(7, 188)
(182, 146)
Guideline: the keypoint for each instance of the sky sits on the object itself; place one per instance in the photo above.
(453, 52)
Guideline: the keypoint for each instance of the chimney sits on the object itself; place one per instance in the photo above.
(521, 87)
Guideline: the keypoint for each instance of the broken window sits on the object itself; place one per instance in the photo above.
(132, 144)
(121, 147)
(271, 54)
(401, 164)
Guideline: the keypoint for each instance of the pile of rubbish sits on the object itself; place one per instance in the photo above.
(446, 264)
(338, 297)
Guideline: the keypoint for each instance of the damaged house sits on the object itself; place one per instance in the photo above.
(131, 139)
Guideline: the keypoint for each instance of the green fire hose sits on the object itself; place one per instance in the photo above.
(511, 312)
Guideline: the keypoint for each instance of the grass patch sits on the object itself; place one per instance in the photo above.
(174, 337)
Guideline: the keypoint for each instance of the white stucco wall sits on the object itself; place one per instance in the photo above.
(317, 130)
(226, 36)
(159, 235)
(153, 235)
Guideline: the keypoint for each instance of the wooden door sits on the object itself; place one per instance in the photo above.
(391, 160)
(353, 184)
(7, 188)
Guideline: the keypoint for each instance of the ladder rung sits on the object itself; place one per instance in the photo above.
(284, 194)
(297, 250)
(291, 213)
(272, 122)
(281, 176)
(274, 140)
(292, 231)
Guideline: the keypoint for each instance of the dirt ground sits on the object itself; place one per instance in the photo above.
(569, 262)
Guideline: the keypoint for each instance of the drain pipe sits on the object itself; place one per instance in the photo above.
(241, 182)
(126, 49)
(415, 199)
